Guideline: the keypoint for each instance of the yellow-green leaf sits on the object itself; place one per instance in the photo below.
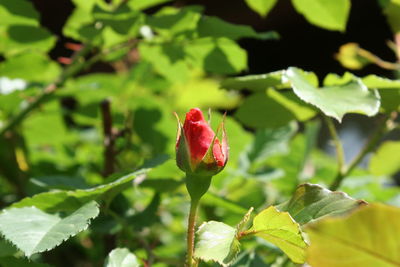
(368, 237)
(280, 229)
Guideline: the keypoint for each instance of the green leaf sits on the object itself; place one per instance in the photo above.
(392, 12)
(118, 25)
(266, 143)
(311, 202)
(121, 257)
(375, 82)
(216, 27)
(144, 4)
(217, 55)
(262, 7)
(203, 92)
(6, 248)
(386, 160)
(368, 237)
(256, 110)
(167, 59)
(328, 14)
(20, 262)
(281, 230)
(20, 29)
(335, 101)
(249, 259)
(216, 241)
(258, 82)
(16, 39)
(172, 22)
(27, 66)
(18, 12)
(34, 231)
(70, 200)
(80, 17)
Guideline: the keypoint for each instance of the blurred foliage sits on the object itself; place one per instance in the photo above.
(87, 165)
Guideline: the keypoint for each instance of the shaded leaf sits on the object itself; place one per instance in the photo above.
(34, 231)
(121, 257)
(392, 12)
(311, 202)
(249, 259)
(20, 262)
(258, 82)
(71, 200)
(281, 230)
(216, 27)
(335, 101)
(368, 237)
(216, 241)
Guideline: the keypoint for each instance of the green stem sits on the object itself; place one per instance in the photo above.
(190, 233)
(197, 186)
(373, 140)
(338, 144)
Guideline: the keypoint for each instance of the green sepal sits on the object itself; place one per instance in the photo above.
(182, 149)
(197, 185)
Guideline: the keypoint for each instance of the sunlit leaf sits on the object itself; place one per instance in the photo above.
(18, 12)
(27, 66)
(386, 160)
(217, 55)
(144, 4)
(262, 7)
(328, 14)
(368, 237)
(217, 242)
(335, 101)
(34, 231)
(281, 230)
(258, 82)
(256, 110)
(121, 257)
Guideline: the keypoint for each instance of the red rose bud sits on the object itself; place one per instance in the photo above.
(198, 150)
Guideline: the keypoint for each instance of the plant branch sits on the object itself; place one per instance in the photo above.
(371, 143)
(377, 60)
(109, 138)
(338, 144)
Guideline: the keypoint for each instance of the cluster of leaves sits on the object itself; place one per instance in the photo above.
(80, 148)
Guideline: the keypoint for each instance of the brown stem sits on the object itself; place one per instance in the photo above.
(109, 140)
